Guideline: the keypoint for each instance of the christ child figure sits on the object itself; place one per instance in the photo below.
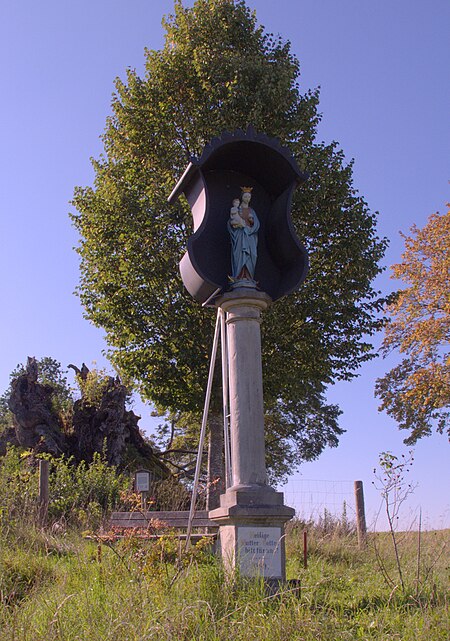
(235, 218)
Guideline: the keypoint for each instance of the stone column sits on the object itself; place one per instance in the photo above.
(251, 515)
(246, 386)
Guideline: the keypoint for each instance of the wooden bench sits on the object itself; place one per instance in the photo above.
(154, 521)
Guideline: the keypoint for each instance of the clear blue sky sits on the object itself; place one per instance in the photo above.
(383, 71)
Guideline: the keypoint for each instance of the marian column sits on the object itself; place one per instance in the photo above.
(243, 317)
(243, 256)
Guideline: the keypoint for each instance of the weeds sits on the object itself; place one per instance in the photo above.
(57, 586)
(79, 495)
(390, 481)
(83, 595)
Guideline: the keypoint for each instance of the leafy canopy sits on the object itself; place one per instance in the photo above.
(220, 70)
(416, 393)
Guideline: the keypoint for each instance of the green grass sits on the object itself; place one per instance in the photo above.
(59, 588)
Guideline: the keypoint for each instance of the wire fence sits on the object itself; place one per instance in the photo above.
(312, 499)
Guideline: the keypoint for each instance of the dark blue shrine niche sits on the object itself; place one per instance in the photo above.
(210, 183)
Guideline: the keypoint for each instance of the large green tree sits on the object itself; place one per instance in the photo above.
(219, 70)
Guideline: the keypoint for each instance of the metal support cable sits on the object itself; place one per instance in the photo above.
(203, 428)
(225, 397)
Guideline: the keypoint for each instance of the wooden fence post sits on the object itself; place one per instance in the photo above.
(360, 514)
(43, 490)
(305, 549)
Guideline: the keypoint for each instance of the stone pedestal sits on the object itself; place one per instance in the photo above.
(251, 515)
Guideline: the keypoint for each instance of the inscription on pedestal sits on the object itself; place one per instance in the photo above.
(259, 551)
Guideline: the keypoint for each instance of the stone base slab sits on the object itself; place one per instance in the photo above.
(251, 531)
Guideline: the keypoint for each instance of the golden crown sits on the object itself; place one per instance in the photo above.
(247, 189)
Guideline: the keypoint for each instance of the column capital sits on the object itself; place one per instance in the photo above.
(244, 298)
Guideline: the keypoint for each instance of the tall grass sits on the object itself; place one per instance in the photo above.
(61, 587)
(64, 589)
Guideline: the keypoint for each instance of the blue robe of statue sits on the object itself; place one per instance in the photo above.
(244, 244)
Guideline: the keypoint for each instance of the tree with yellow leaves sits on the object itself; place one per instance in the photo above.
(416, 393)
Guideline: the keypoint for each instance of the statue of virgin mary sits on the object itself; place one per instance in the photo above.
(243, 226)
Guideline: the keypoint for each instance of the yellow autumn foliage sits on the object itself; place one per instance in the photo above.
(417, 392)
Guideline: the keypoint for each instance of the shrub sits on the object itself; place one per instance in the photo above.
(18, 488)
(80, 494)
(83, 494)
